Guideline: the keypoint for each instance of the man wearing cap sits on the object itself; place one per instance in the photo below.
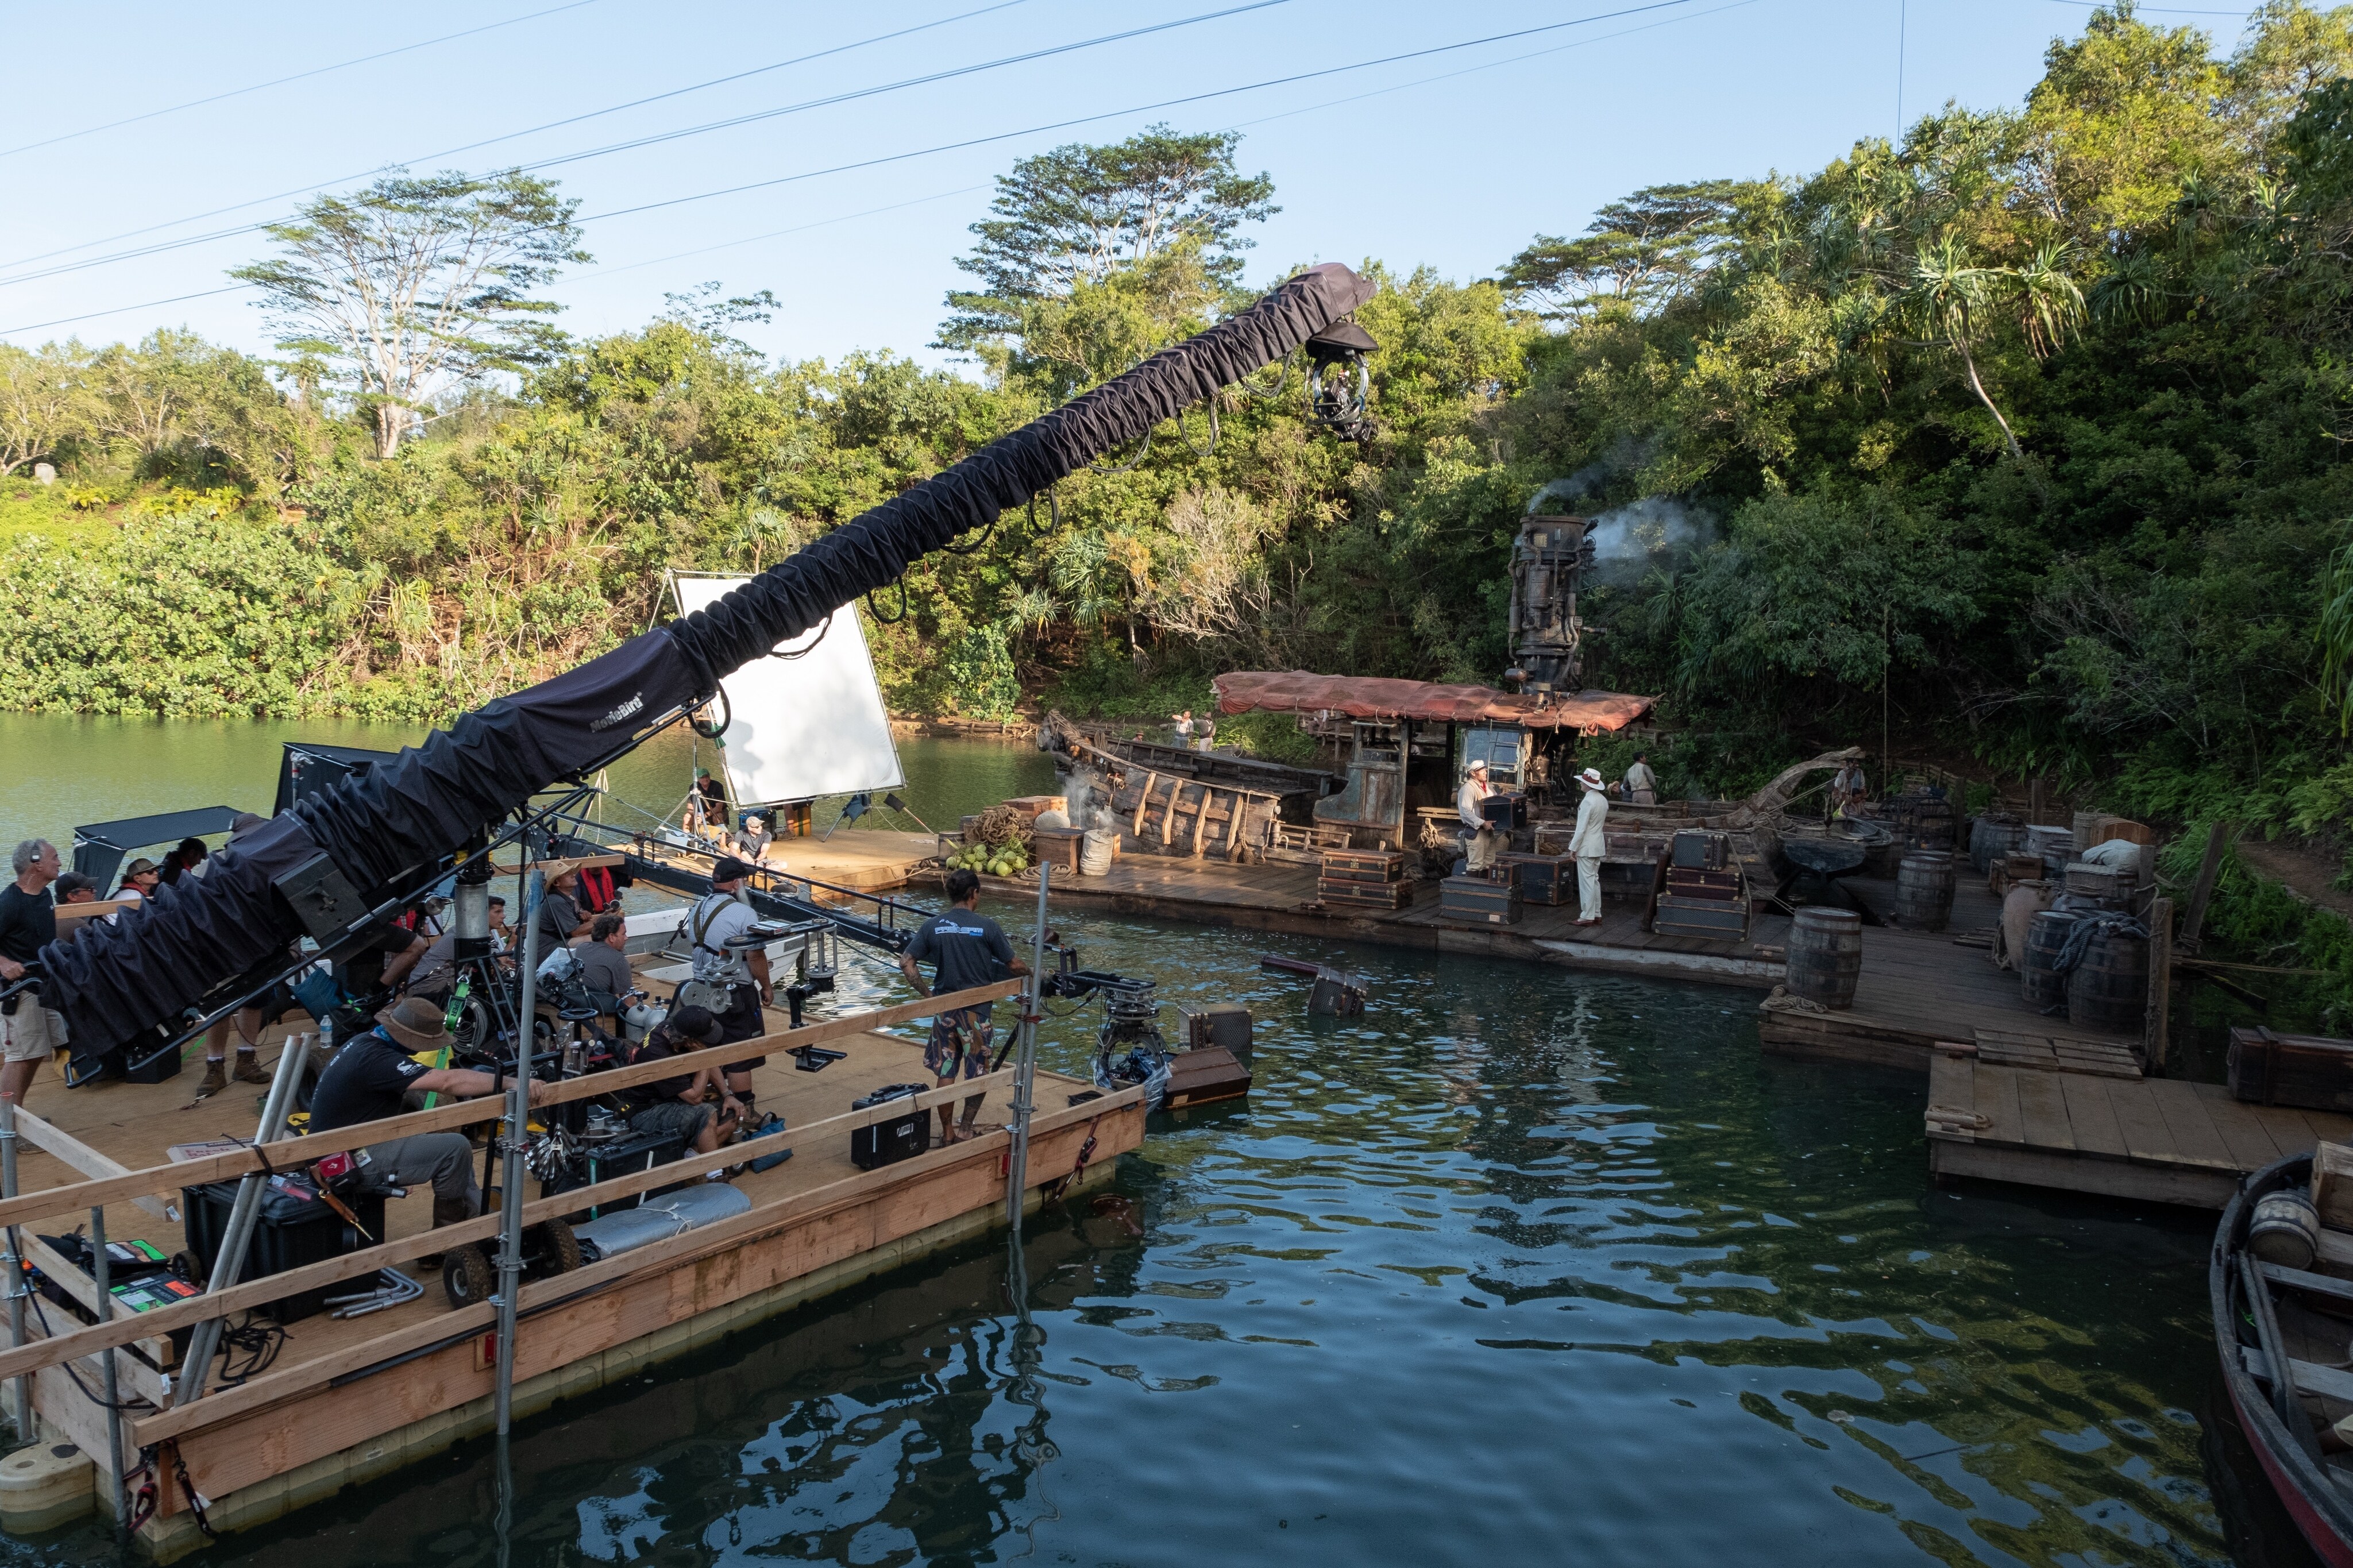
(1466, 807)
(1589, 843)
(693, 1107)
(718, 918)
(368, 1080)
(753, 839)
(139, 881)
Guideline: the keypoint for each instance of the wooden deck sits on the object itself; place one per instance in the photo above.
(2154, 1140)
(864, 861)
(817, 1223)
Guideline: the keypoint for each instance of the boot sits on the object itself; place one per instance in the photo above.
(216, 1077)
(445, 1211)
(248, 1067)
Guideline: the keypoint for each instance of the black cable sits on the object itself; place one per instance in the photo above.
(138, 1404)
(882, 619)
(260, 1342)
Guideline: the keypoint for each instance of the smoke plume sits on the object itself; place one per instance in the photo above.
(1631, 540)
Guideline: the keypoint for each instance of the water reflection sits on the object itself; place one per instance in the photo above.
(1522, 1265)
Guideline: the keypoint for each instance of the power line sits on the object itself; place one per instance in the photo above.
(298, 75)
(700, 130)
(773, 234)
(493, 140)
(1009, 135)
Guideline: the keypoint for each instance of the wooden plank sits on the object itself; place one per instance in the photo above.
(69, 913)
(2141, 1123)
(2157, 1024)
(2245, 1134)
(2209, 867)
(2194, 1137)
(2043, 1105)
(2301, 1280)
(2127, 1179)
(53, 1140)
(2090, 1117)
(1998, 1101)
(982, 1153)
(295, 1152)
(1144, 803)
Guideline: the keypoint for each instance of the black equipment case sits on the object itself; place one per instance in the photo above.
(888, 1143)
(622, 1156)
(294, 1227)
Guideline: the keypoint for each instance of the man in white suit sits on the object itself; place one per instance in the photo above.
(1587, 842)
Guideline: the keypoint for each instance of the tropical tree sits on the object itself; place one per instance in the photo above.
(1645, 251)
(44, 401)
(416, 284)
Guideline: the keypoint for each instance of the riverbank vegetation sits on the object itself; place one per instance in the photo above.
(2026, 433)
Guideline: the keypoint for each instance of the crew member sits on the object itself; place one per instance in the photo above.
(560, 918)
(1589, 843)
(753, 839)
(366, 1081)
(28, 922)
(604, 958)
(719, 916)
(968, 949)
(1849, 789)
(1641, 784)
(139, 881)
(693, 1107)
(1466, 807)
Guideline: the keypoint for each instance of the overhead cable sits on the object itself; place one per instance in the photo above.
(281, 81)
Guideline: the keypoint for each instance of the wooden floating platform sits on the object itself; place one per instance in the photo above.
(2155, 1139)
(865, 860)
(346, 1400)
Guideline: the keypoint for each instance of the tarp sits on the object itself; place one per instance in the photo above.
(100, 847)
(1364, 696)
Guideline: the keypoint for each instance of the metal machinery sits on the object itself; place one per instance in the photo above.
(1548, 559)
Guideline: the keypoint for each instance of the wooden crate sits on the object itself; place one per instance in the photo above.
(1210, 1073)
(2311, 1072)
(1714, 887)
(1480, 901)
(1057, 847)
(2332, 1184)
(1028, 807)
(1548, 879)
(1711, 919)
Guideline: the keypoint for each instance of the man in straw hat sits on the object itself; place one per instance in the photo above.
(1587, 842)
(368, 1080)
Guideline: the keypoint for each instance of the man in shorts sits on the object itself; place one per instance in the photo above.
(28, 922)
(968, 949)
(694, 1107)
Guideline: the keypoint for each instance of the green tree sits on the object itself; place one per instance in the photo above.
(1645, 250)
(416, 284)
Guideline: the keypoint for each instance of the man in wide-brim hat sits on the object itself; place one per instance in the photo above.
(370, 1079)
(1589, 843)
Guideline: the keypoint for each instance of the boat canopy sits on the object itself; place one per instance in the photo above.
(1360, 697)
(99, 847)
(308, 768)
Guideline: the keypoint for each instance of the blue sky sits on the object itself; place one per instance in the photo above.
(1455, 173)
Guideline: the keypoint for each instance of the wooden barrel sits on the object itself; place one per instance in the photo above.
(2285, 1230)
(1924, 890)
(2109, 989)
(1825, 955)
(2038, 980)
(2056, 846)
(1993, 838)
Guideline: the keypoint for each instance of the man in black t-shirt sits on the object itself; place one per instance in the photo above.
(28, 922)
(369, 1080)
(694, 1107)
(968, 949)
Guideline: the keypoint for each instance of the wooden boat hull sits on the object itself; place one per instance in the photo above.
(2321, 1508)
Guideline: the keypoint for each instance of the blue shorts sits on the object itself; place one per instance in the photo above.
(960, 1038)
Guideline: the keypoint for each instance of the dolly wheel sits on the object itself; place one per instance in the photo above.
(550, 1247)
(467, 1275)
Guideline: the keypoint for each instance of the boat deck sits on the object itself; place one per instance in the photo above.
(2155, 1139)
(866, 860)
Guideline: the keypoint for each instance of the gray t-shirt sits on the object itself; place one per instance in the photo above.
(713, 919)
(969, 948)
(604, 969)
(559, 917)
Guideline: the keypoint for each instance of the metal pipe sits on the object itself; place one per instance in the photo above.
(511, 1165)
(1025, 1065)
(228, 1264)
(101, 1274)
(14, 1260)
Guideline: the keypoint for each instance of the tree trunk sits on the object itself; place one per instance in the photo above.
(1978, 386)
(390, 420)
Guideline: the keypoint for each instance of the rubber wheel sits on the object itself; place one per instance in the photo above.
(550, 1248)
(467, 1275)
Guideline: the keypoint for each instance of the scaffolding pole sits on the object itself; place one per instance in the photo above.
(13, 1260)
(511, 1143)
(1025, 1065)
(102, 1275)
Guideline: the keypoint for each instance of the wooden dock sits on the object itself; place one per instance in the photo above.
(345, 1400)
(865, 860)
(2155, 1139)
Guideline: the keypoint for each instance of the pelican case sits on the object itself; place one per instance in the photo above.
(621, 1156)
(294, 1227)
(888, 1143)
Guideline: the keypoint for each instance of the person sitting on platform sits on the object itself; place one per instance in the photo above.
(188, 860)
(73, 888)
(969, 949)
(368, 1080)
(751, 840)
(694, 1107)
(432, 971)
(139, 881)
(560, 918)
(604, 957)
(596, 894)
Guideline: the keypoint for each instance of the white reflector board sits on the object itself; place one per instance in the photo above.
(801, 727)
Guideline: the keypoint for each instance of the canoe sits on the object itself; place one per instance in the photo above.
(2260, 1320)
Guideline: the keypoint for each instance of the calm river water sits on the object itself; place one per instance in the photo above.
(1522, 1268)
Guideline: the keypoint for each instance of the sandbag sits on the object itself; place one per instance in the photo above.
(2026, 900)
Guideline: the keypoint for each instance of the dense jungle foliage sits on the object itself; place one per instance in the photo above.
(2031, 430)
